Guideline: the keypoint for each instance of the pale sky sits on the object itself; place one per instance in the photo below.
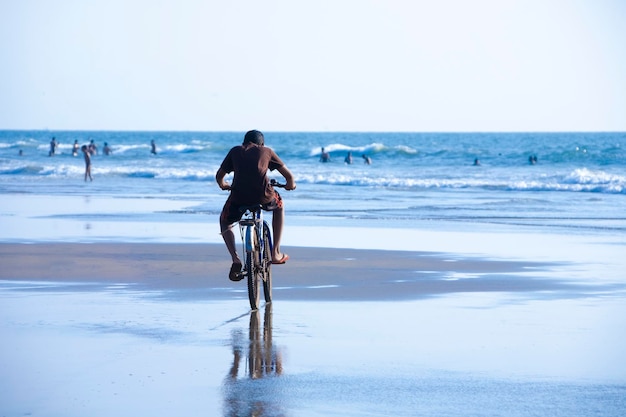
(319, 65)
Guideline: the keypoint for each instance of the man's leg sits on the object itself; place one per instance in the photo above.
(229, 239)
(226, 227)
(278, 218)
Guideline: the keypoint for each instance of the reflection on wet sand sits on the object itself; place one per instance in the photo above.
(254, 393)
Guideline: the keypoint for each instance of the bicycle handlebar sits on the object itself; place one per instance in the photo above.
(275, 183)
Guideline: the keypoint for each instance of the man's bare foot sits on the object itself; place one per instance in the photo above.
(235, 272)
(281, 260)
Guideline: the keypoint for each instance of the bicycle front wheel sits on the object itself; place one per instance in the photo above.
(253, 272)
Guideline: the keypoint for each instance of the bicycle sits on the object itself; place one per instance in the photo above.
(256, 237)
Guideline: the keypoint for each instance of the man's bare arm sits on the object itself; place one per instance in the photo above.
(219, 178)
(291, 183)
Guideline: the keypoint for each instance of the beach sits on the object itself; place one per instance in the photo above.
(433, 288)
(157, 328)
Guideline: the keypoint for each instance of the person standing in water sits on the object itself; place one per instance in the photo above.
(53, 147)
(325, 156)
(92, 148)
(87, 155)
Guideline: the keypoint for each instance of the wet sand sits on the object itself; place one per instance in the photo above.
(200, 271)
(157, 329)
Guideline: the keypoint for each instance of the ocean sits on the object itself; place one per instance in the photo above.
(416, 180)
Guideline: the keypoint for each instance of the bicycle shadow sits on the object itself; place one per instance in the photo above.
(253, 389)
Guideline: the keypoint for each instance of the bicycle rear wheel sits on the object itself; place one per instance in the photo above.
(267, 264)
(253, 272)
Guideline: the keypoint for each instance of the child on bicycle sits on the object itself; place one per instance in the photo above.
(250, 162)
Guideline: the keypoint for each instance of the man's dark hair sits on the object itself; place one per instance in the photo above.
(254, 136)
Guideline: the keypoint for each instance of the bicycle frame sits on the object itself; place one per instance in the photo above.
(251, 229)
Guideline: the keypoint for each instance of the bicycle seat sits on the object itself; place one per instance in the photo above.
(252, 208)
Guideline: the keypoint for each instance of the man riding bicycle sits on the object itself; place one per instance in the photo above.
(250, 162)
